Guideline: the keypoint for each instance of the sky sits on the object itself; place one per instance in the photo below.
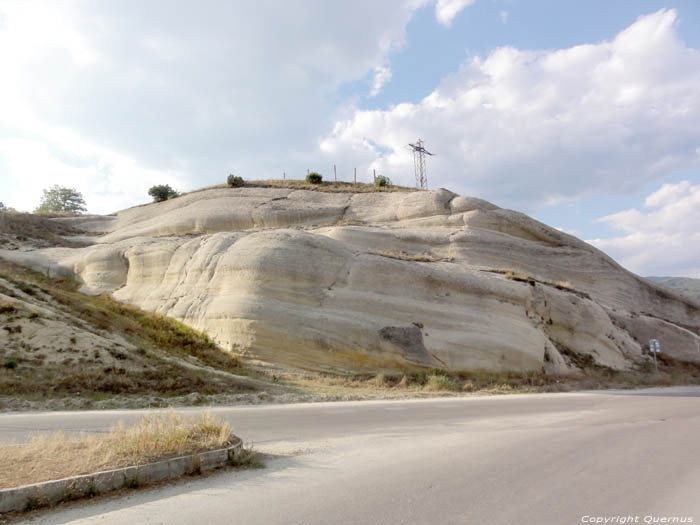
(584, 115)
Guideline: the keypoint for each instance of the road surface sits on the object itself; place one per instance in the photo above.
(522, 459)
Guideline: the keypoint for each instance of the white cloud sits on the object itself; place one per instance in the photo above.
(576, 233)
(504, 16)
(446, 10)
(109, 181)
(181, 92)
(664, 239)
(382, 76)
(527, 128)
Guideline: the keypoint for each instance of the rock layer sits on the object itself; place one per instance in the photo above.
(377, 282)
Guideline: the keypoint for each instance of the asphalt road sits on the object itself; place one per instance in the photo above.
(524, 459)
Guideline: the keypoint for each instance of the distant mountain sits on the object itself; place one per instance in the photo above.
(686, 285)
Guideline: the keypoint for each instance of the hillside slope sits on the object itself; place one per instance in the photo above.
(56, 343)
(685, 285)
(375, 282)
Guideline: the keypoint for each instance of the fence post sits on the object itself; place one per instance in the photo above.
(355, 179)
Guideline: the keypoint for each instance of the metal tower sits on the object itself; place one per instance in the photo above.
(419, 153)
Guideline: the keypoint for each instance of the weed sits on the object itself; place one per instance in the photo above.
(26, 288)
(441, 383)
(91, 491)
(7, 308)
(468, 387)
(133, 483)
(33, 503)
(647, 367)
(246, 458)
(378, 380)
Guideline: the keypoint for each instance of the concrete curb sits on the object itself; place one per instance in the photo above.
(50, 492)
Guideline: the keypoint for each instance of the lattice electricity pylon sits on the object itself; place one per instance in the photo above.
(419, 153)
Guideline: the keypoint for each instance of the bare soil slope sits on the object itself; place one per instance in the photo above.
(58, 343)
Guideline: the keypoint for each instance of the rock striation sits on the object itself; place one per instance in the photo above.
(376, 282)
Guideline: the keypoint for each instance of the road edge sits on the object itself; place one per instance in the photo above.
(29, 497)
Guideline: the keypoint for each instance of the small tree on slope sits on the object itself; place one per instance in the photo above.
(58, 199)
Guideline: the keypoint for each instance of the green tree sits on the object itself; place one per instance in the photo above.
(162, 192)
(59, 199)
(2, 206)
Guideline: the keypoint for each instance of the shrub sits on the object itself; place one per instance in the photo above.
(162, 192)
(382, 181)
(378, 380)
(234, 181)
(314, 178)
(10, 364)
(441, 383)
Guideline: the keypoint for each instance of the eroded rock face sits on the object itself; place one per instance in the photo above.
(377, 282)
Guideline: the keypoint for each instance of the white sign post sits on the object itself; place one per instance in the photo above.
(655, 348)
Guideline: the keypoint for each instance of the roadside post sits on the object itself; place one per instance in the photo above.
(655, 348)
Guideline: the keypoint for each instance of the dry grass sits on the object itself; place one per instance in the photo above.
(326, 186)
(436, 382)
(441, 383)
(25, 226)
(155, 437)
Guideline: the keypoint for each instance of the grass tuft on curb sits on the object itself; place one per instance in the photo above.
(155, 437)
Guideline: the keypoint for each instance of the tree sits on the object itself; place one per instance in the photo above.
(2, 206)
(162, 192)
(59, 199)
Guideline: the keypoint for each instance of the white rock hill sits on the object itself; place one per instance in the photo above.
(376, 282)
